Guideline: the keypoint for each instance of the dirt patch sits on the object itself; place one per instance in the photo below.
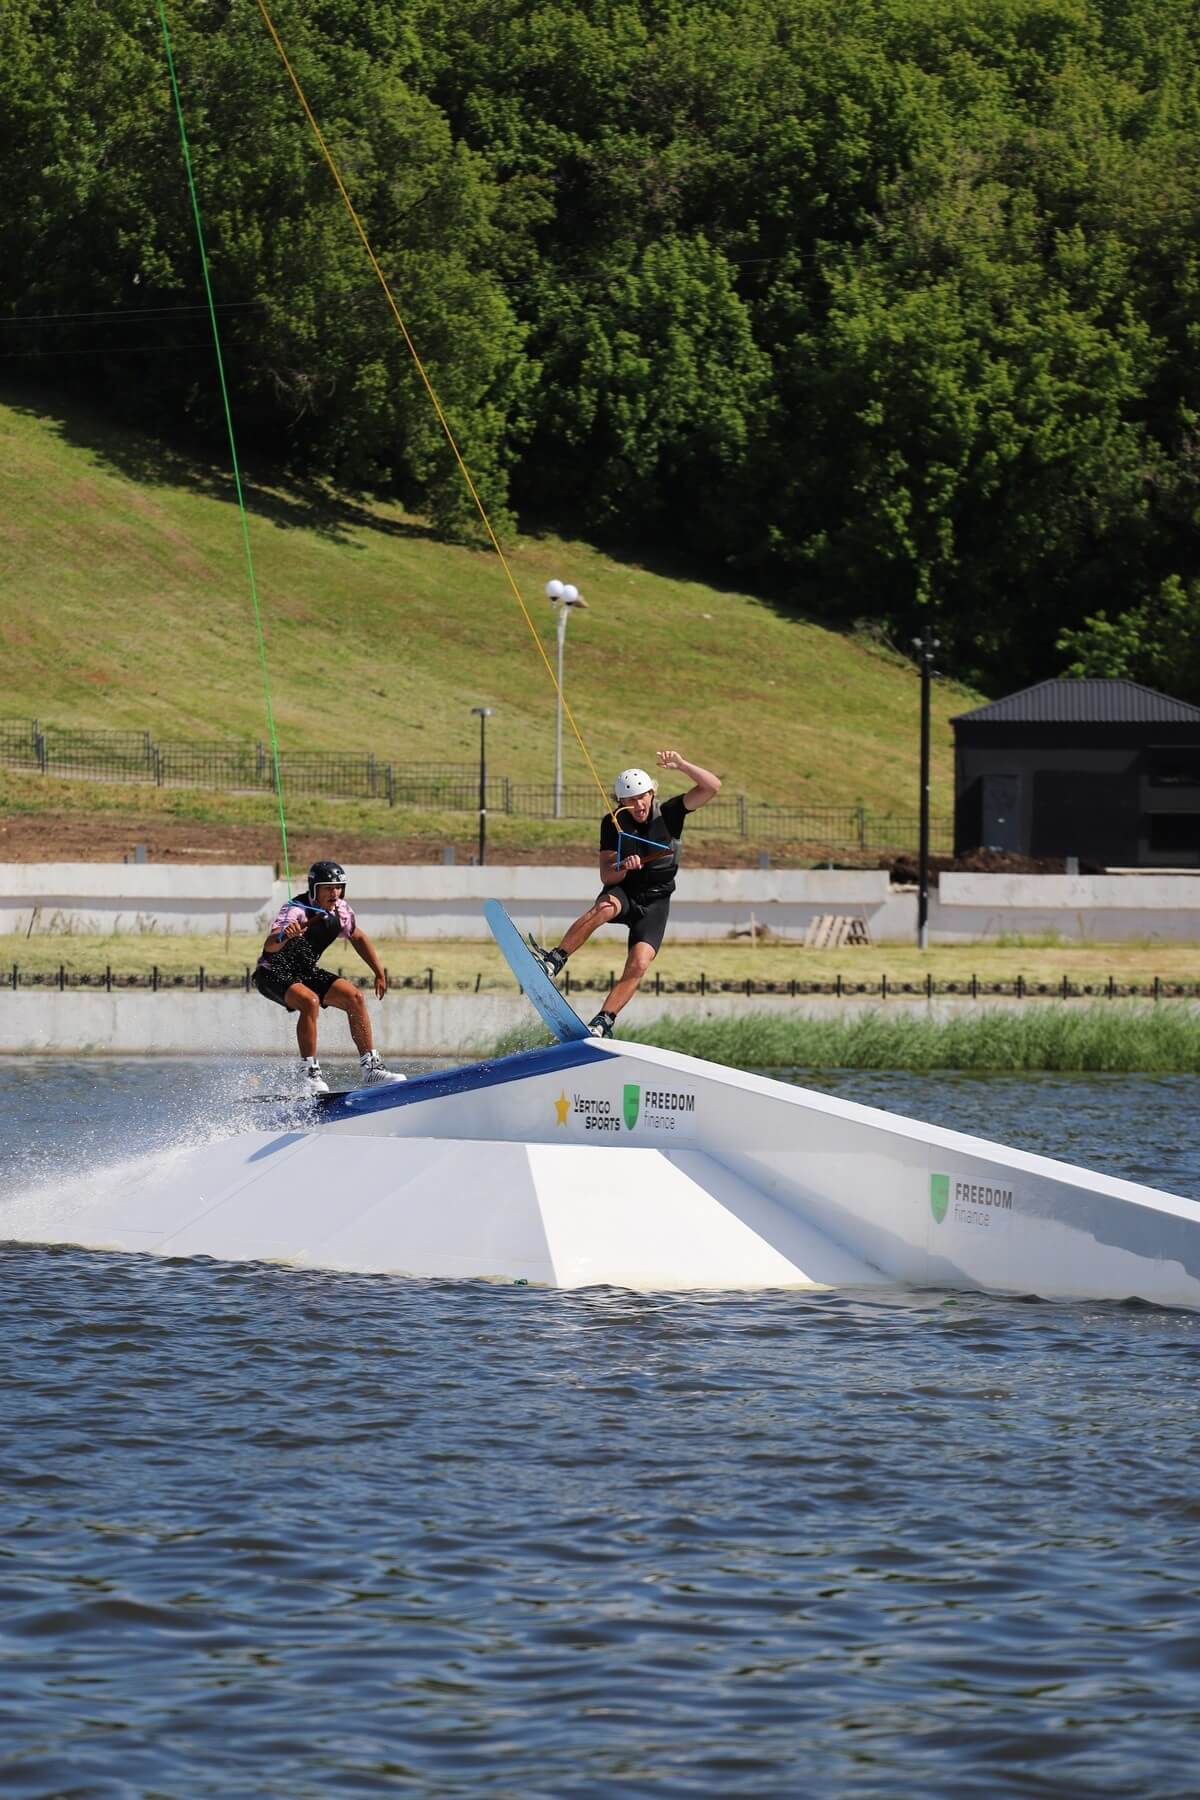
(83, 837)
(903, 869)
(85, 493)
(58, 837)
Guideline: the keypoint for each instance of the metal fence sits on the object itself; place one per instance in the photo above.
(200, 980)
(89, 755)
(342, 776)
(18, 744)
(430, 787)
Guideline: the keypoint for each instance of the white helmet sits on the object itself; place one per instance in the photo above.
(632, 782)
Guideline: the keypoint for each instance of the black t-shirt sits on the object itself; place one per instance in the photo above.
(299, 956)
(665, 827)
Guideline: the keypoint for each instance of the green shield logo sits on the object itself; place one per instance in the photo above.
(939, 1196)
(633, 1095)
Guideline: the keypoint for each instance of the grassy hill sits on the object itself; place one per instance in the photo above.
(124, 602)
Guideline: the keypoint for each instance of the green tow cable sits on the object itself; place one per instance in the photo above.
(233, 455)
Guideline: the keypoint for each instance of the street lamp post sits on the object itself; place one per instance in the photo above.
(483, 713)
(925, 646)
(564, 597)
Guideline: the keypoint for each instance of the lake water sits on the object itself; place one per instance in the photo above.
(265, 1532)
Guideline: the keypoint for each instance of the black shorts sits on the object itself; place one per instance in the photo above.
(274, 986)
(646, 919)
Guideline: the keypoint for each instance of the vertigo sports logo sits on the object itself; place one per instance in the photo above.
(939, 1196)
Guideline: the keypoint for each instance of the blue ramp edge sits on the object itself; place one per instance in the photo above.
(554, 1011)
(469, 1079)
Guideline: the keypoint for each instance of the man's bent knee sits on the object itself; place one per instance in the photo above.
(348, 998)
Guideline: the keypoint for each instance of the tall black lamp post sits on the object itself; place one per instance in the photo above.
(483, 714)
(925, 646)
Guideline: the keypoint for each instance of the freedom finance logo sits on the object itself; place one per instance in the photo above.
(633, 1096)
(939, 1196)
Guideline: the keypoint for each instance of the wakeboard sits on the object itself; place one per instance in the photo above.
(304, 1102)
(552, 1007)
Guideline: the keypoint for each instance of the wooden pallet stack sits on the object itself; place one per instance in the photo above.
(836, 931)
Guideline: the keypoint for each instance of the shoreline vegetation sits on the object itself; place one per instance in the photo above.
(1039, 1034)
(1115, 1040)
(468, 965)
(1044, 1038)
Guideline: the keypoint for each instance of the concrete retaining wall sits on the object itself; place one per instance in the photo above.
(1101, 908)
(423, 901)
(436, 901)
(406, 1024)
(137, 898)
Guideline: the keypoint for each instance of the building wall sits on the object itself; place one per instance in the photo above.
(1090, 791)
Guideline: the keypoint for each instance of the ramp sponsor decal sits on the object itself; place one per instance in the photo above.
(981, 1205)
(657, 1114)
(595, 1113)
(668, 1112)
(939, 1196)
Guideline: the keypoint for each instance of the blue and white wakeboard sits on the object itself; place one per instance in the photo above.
(553, 1009)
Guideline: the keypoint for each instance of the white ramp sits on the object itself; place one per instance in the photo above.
(560, 1214)
(606, 1162)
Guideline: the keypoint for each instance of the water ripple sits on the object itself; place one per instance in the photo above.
(274, 1531)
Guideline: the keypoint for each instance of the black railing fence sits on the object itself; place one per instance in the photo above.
(90, 755)
(200, 980)
(432, 787)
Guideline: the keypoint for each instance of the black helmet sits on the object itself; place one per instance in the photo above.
(326, 874)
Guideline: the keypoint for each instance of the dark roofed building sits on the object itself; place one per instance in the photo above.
(1107, 770)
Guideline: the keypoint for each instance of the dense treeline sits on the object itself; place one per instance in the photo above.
(880, 305)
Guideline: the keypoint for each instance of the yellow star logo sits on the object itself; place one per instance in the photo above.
(562, 1107)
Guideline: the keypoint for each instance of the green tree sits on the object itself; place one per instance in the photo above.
(880, 305)
(652, 387)
(1157, 641)
(318, 369)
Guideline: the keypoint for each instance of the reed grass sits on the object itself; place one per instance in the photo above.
(1110, 1039)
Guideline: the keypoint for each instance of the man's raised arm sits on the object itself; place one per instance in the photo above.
(705, 785)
